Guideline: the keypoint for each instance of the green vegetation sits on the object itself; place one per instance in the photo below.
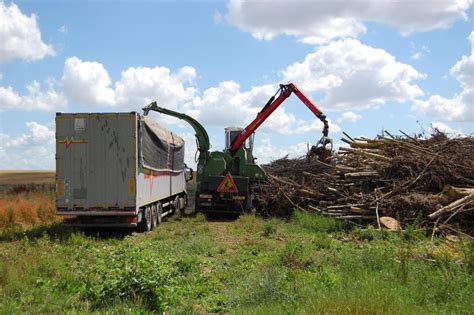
(308, 264)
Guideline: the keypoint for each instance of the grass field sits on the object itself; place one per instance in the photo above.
(304, 265)
(26, 177)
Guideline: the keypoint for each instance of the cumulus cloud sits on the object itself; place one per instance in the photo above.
(354, 76)
(32, 150)
(227, 105)
(88, 83)
(20, 36)
(49, 100)
(461, 106)
(349, 117)
(446, 129)
(267, 151)
(190, 148)
(317, 22)
(139, 86)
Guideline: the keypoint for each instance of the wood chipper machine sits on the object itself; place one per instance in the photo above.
(226, 180)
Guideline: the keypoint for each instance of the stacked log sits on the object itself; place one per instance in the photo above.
(404, 177)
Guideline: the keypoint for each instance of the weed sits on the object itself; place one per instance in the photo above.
(317, 223)
(322, 241)
(294, 255)
(269, 228)
(249, 223)
(467, 249)
(200, 217)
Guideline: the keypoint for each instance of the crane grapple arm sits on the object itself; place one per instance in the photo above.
(202, 138)
(284, 91)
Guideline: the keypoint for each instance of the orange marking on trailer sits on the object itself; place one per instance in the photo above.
(150, 176)
(68, 141)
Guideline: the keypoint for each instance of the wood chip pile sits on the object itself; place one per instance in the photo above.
(410, 179)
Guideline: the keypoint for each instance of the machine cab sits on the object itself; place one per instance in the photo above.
(231, 133)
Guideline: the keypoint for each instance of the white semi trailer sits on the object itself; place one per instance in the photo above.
(117, 170)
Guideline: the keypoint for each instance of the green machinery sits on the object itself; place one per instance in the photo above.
(226, 179)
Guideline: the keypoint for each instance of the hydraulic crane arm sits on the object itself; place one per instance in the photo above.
(285, 91)
(202, 138)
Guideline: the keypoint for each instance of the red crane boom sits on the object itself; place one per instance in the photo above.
(285, 91)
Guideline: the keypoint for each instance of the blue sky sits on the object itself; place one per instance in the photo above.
(370, 65)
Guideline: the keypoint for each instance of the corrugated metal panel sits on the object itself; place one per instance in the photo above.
(96, 159)
(98, 165)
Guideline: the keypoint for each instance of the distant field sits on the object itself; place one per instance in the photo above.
(15, 177)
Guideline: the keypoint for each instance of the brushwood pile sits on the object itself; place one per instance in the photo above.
(403, 179)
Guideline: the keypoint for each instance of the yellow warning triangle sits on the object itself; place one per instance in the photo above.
(227, 185)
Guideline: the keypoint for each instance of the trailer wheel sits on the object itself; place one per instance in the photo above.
(154, 216)
(175, 205)
(145, 223)
(183, 203)
(159, 213)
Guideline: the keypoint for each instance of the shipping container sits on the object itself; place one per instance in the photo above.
(117, 170)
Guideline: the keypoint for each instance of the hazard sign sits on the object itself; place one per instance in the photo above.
(227, 185)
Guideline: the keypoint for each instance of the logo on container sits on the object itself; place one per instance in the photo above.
(69, 141)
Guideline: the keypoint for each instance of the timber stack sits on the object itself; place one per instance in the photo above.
(402, 179)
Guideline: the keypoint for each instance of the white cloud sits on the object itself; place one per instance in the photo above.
(349, 117)
(470, 38)
(226, 105)
(20, 36)
(49, 100)
(189, 148)
(419, 52)
(461, 106)
(33, 150)
(443, 108)
(139, 86)
(63, 29)
(266, 151)
(416, 56)
(317, 22)
(354, 76)
(314, 126)
(89, 83)
(446, 129)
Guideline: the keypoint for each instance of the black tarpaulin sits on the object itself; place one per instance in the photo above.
(161, 149)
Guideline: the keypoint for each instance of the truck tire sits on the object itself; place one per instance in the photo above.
(159, 213)
(145, 223)
(182, 202)
(175, 204)
(154, 216)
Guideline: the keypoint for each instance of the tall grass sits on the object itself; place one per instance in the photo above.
(27, 209)
(311, 222)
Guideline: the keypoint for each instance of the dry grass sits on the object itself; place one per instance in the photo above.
(26, 198)
(27, 209)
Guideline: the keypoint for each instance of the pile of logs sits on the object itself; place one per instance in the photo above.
(410, 179)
